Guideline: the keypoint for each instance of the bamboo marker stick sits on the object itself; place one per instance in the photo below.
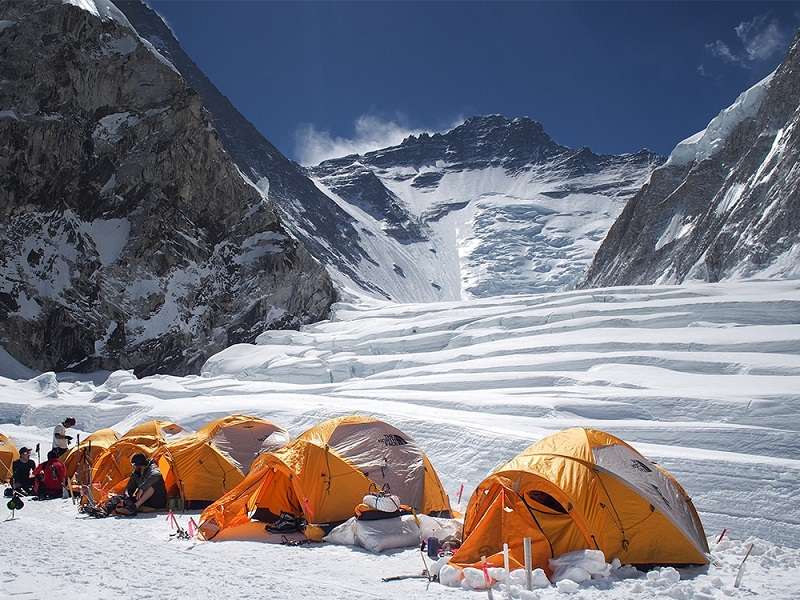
(486, 578)
(508, 571)
(528, 564)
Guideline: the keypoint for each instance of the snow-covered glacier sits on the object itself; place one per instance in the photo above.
(703, 378)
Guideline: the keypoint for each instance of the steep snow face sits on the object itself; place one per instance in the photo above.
(726, 205)
(704, 379)
(492, 207)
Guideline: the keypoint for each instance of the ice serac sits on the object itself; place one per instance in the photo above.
(493, 206)
(128, 236)
(726, 205)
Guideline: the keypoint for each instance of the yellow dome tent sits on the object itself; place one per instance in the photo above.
(201, 467)
(324, 473)
(79, 459)
(8, 454)
(578, 489)
(154, 428)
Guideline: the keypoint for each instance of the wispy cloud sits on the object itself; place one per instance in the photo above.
(757, 40)
(370, 132)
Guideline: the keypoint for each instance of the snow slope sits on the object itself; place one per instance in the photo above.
(493, 206)
(703, 378)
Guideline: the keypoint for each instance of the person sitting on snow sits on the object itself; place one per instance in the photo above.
(145, 488)
(21, 471)
(51, 477)
(60, 438)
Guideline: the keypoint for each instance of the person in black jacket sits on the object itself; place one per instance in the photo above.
(21, 471)
(146, 484)
(145, 488)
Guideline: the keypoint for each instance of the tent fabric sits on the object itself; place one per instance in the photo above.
(80, 458)
(326, 471)
(154, 428)
(578, 489)
(8, 454)
(205, 465)
(112, 468)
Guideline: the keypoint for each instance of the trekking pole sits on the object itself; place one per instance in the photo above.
(739, 575)
(526, 542)
(38, 455)
(722, 535)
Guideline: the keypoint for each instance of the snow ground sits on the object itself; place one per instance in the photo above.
(705, 379)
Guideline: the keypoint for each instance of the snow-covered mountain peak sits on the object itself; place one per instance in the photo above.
(492, 206)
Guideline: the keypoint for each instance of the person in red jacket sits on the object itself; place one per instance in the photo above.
(50, 477)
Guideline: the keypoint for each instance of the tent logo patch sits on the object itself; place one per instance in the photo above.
(640, 466)
(392, 439)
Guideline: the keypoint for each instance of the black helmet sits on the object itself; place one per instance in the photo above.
(139, 460)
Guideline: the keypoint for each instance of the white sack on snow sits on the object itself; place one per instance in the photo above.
(450, 576)
(580, 565)
(474, 578)
(538, 578)
(439, 528)
(382, 503)
(376, 536)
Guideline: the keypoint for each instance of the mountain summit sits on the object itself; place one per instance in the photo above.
(493, 206)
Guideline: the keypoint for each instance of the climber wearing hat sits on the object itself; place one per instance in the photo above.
(145, 488)
(21, 468)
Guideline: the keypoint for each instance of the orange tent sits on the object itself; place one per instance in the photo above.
(324, 473)
(154, 428)
(112, 468)
(79, 459)
(581, 489)
(8, 454)
(203, 466)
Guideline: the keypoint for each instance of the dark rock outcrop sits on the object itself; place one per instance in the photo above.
(128, 237)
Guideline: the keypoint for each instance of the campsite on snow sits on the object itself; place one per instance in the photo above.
(460, 362)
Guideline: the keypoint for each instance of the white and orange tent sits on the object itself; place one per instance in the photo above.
(582, 489)
(201, 467)
(325, 473)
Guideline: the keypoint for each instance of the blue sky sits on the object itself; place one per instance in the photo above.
(326, 78)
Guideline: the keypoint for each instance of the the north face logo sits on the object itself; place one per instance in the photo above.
(391, 439)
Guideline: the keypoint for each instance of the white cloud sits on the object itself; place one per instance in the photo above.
(758, 40)
(370, 132)
(762, 37)
(721, 50)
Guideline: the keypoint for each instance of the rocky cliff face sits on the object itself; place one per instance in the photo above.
(128, 237)
(727, 202)
(329, 232)
(493, 206)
